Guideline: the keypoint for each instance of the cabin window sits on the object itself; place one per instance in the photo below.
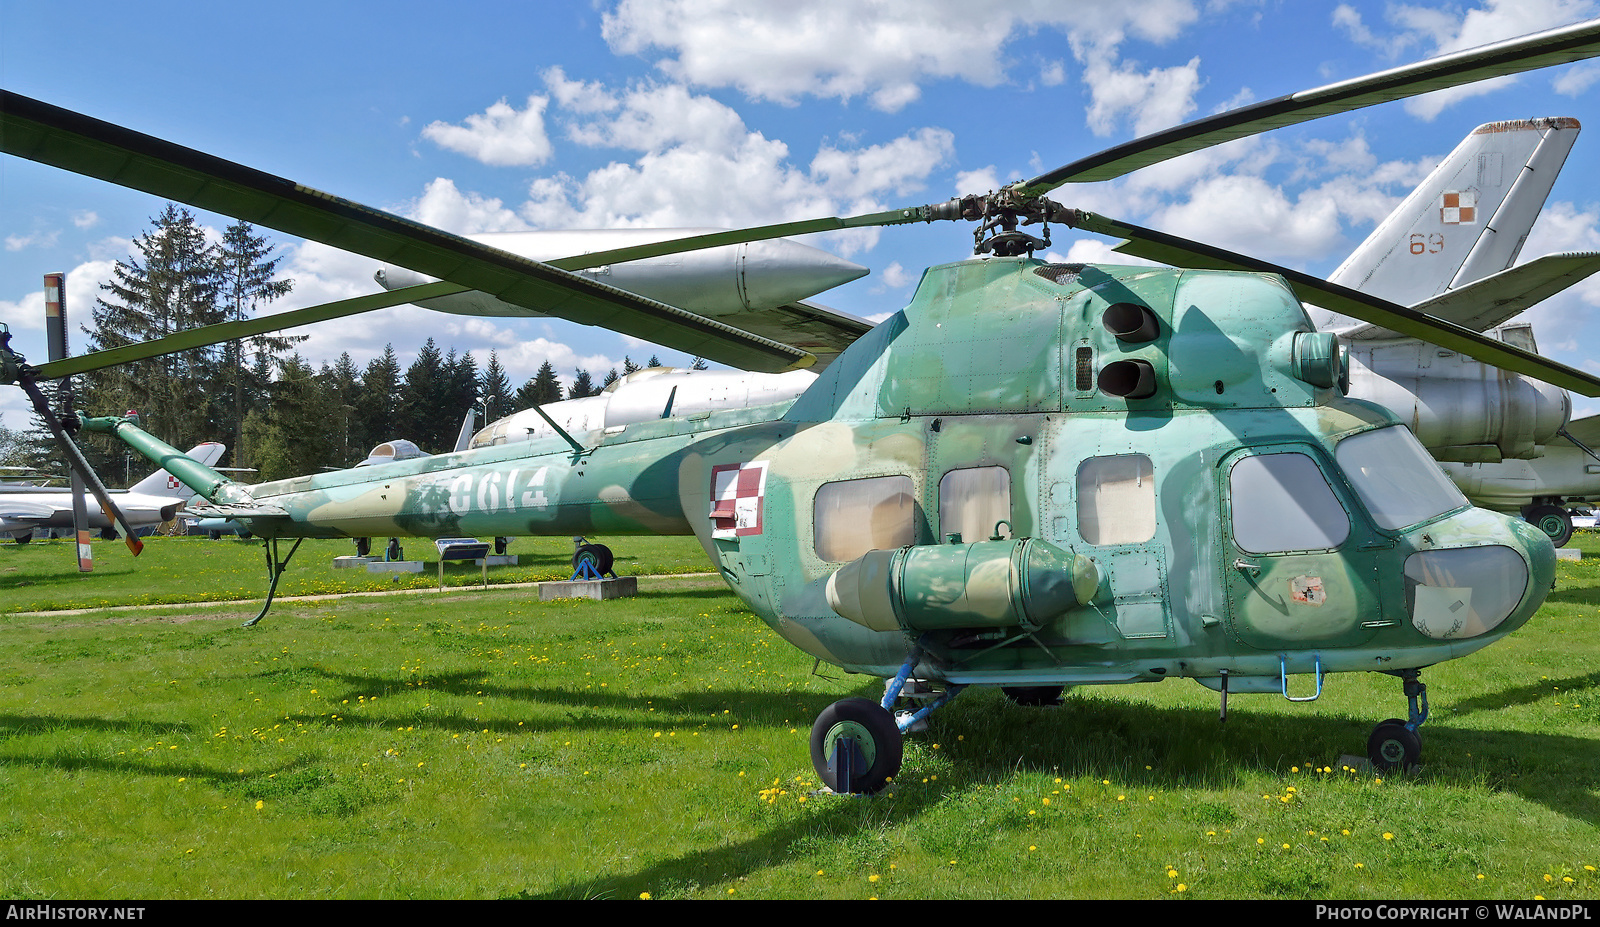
(1117, 499)
(972, 501)
(852, 517)
(1282, 502)
(1396, 479)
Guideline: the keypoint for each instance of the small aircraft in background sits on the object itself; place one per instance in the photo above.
(149, 502)
(1036, 475)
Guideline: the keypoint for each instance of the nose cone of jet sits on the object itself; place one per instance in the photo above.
(391, 277)
(779, 272)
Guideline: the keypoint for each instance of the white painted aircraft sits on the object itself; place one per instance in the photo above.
(1449, 250)
(149, 502)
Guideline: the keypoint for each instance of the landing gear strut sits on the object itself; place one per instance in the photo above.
(1396, 744)
(856, 746)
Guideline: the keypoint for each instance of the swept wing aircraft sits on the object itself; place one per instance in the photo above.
(1035, 475)
(147, 503)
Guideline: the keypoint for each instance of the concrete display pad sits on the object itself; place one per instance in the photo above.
(601, 589)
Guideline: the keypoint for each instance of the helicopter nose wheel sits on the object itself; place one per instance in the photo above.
(1395, 744)
(856, 747)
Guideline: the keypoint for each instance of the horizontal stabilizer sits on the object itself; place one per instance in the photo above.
(1483, 304)
(1586, 430)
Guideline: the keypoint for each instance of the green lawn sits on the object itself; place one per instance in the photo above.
(479, 744)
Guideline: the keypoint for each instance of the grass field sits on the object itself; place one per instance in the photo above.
(479, 744)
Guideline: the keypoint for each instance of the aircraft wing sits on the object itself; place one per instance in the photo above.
(1586, 430)
(72, 141)
(16, 514)
(1483, 304)
(822, 331)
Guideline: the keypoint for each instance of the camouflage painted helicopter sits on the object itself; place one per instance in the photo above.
(1034, 476)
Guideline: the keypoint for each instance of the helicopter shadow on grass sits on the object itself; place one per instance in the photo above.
(989, 742)
(81, 759)
(592, 710)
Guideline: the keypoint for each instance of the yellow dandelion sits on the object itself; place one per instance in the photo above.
(644, 896)
(1388, 836)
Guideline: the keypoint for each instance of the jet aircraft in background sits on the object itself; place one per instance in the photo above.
(148, 503)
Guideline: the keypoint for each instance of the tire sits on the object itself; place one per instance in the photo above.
(597, 556)
(363, 547)
(1393, 746)
(23, 538)
(394, 551)
(1553, 520)
(855, 724)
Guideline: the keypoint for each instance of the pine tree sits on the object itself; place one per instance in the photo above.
(169, 284)
(611, 377)
(496, 390)
(581, 386)
(628, 366)
(424, 410)
(286, 442)
(246, 271)
(654, 361)
(345, 390)
(543, 388)
(380, 400)
(699, 363)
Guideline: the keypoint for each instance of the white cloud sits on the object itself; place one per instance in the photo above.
(502, 135)
(32, 240)
(781, 52)
(702, 166)
(445, 207)
(1420, 30)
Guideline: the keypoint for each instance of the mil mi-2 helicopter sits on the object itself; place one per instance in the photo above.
(1034, 476)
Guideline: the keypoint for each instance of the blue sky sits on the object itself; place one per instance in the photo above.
(676, 113)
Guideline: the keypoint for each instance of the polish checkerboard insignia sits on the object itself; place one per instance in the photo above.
(1460, 207)
(736, 494)
(172, 482)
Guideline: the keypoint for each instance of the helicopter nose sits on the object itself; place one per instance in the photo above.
(1465, 592)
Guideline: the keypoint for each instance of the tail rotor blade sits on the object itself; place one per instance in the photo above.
(75, 459)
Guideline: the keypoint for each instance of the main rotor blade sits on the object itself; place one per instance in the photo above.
(1526, 53)
(741, 236)
(207, 335)
(72, 141)
(1181, 252)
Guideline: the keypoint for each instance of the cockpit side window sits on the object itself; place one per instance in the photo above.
(972, 501)
(1282, 502)
(1398, 482)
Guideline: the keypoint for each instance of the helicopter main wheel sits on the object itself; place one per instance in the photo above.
(597, 556)
(1034, 696)
(23, 538)
(1553, 520)
(856, 747)
(394, 551)
(500, 545)
(1394, 746)
(363, 547)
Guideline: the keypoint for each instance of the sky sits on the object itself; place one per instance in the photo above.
(499, 116)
